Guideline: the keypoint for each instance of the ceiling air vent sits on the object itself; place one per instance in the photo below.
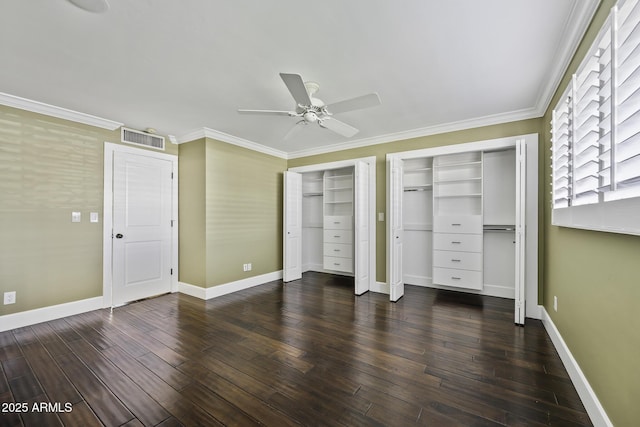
(137, 137)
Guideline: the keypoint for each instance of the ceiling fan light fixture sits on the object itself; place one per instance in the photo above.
(94, 6)
(310, 117)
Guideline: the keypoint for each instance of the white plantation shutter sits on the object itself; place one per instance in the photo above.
(626, 150)
(586, 104)
(561, 140)
(596, 132)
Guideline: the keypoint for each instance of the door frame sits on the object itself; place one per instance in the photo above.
(531, 284)
(371, 161)
(107, 215)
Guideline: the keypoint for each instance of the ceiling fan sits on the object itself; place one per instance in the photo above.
(312, 110)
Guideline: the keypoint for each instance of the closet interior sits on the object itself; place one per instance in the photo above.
(459, 216)
(328, 221)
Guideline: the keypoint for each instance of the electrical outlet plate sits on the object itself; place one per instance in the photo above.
(10, 297)
(249, 267)
(555, 303)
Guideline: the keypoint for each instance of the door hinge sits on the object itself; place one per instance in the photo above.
(172, 271)
(171, 223)
(171, 175)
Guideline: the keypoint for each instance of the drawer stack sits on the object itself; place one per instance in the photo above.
(457, 251)
(338, 243)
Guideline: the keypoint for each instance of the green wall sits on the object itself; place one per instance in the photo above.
(596, 277)
(522, 127)
(231, 210)
(48, 168)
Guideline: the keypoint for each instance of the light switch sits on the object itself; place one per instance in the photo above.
(93, 217)
(76, 216)
(381, 216)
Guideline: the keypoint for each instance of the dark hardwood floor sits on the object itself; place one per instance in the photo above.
(305, 353)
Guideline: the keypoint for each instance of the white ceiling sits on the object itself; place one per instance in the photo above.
(185, 66)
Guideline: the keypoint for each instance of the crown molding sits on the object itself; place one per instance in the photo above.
(575, 28)
(230, 139)
(529, 113)
(59, 112)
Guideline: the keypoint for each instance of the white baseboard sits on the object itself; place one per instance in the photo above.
(488, 289)
(587, 395)
(227, 288)
(381, 288)
(45, 314)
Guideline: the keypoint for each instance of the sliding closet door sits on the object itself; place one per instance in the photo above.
(292, 239)
(396, 282)
(521, 210)
(362, 227)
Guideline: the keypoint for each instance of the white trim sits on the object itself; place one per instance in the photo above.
(230, 139)
(228, 288)
(587, 395)
(107, 216)
(421, 132)
(575, 28)
(59, 112)
(381, 288)
(46, 314)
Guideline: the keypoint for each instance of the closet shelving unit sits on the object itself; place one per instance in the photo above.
(457, 220)
(338, 220)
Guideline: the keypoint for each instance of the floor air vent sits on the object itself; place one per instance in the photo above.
(136, 137)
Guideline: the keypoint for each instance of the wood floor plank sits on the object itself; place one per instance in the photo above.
(103, 403)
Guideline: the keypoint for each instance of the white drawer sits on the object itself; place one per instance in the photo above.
(338, 222)
(338, 236)
(338, 250)
(468, 224)
(338, 264)
(457, 242)
(459, 260)
(459, 278)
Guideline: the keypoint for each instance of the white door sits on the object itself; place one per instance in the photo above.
(362, 228)
(396, 282)
(142, 241)
(292, 239)
(521, 197)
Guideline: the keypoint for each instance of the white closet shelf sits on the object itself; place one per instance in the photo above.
(312, 225)
(338, 188)
(418, 170)
(477, 178)
(311, 194)
(452, 165)
(336, 202)
(338, 176)
(450, 196)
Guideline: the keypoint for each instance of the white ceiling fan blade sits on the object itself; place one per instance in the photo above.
(296, 87)
(271, 112)
(338, 127)
(358, 103)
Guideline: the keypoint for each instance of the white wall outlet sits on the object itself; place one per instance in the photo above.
(244, 267)
(10, 297)
(555, 303)
(76, 216)
(93, 217)
(249, 267)
(380, 216)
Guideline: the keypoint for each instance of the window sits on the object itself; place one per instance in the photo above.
(596, 132)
